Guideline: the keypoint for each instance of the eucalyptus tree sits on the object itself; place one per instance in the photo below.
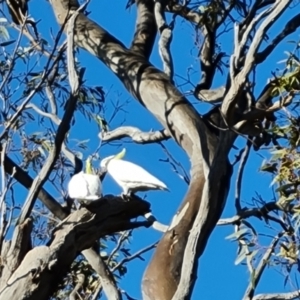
(239, 109)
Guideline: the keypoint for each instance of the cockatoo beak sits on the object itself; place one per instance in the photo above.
(121, 154)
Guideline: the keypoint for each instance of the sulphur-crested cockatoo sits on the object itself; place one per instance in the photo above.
(85, 186)
(131, 177)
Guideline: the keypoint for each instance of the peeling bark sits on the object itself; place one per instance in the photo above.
(14, 251)
(43, 267)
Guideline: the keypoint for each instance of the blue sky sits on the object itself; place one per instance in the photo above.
(218, 277)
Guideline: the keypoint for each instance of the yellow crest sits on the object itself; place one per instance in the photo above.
(88, 166)
(121, 154)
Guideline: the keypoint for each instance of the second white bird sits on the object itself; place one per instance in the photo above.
(131, 177)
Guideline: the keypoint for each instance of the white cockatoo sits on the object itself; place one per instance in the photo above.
(129, 176)
(85, 186)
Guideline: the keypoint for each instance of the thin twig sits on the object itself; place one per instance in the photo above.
(239, 179)
(62, 129)
(131, 257)
(78, 286)
(121, 239)
(260, 268)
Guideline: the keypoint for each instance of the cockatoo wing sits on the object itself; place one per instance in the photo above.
(84, 186)
(133, 176)
(77, 187)
(94, 186)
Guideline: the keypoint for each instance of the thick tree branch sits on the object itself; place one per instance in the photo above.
(145, 30)
(135, 134)
(290, 27)
(196, 242)
(278, 296)
(185, 12)
(43, 267)
(211, 95)
(207, 61)
(165, 37)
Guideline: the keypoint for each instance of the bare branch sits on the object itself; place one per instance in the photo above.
(214, 176)
(72, 73)
(133, 256)
(145, 31)
(155, 224)
(22, 177)
(260, 269)
(53, 117)
(207, 61)
(176, 165)
(238, 81)
(77, 163)
(290, 27)
(78, 286)
(122, 238)
(135, 134)
(74, 234)
(273, 14)
(239, 179)
(252, 212)
(62, 129)
(185, 12)
(260, 113)
(106, 278)
(4, 188)
(165, 37)
(211, 95)
(278, 296)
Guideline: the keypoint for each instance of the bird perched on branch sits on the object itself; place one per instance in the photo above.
(18, 9)
(85, 186)
(129, 176)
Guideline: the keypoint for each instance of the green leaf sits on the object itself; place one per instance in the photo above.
(241, 256)
(271, 168)
(4, 33)
(237, 235)
(4, 44)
